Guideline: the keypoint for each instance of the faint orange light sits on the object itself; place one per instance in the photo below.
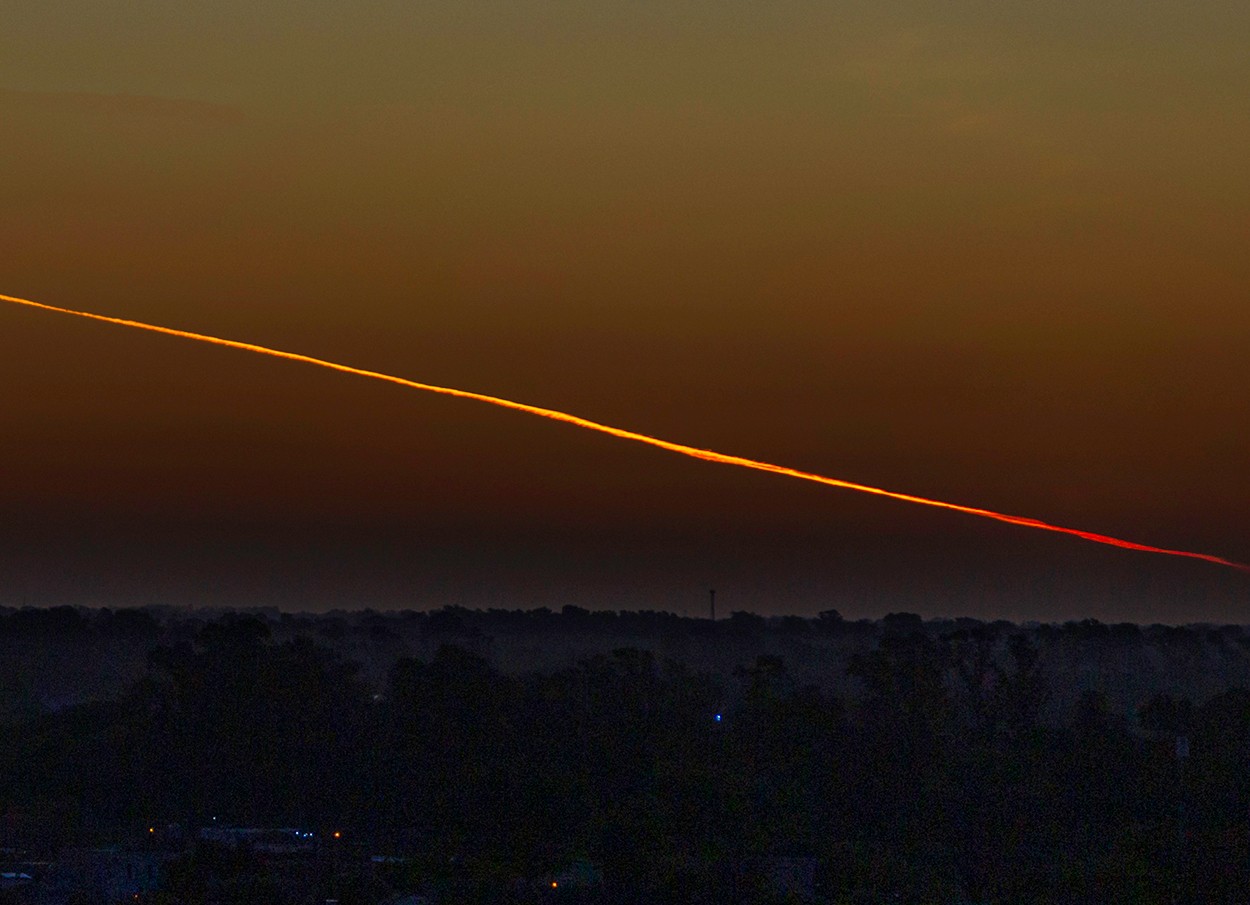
(554, 884)
(338, 835)
(151, 829)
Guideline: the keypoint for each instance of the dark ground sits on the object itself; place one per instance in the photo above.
(476, 756)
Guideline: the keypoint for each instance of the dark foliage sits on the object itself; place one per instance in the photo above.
(937, 780)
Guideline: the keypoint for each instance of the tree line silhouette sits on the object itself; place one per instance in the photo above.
(938, 780)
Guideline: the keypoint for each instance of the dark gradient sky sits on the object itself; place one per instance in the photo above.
(989, 253)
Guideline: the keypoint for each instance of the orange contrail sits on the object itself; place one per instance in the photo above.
(705, 454)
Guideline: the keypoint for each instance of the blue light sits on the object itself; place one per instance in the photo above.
(717, 717)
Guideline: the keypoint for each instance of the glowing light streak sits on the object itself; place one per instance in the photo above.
(706, 455)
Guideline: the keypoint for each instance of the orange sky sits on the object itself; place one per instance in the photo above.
(987, 253)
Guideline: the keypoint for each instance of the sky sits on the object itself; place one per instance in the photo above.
(988, 253)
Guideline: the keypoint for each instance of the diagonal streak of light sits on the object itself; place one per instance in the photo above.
(706, 455)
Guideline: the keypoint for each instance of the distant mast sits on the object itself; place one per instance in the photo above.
(712, 595)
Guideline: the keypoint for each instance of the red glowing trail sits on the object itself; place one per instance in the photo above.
(705, 454)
